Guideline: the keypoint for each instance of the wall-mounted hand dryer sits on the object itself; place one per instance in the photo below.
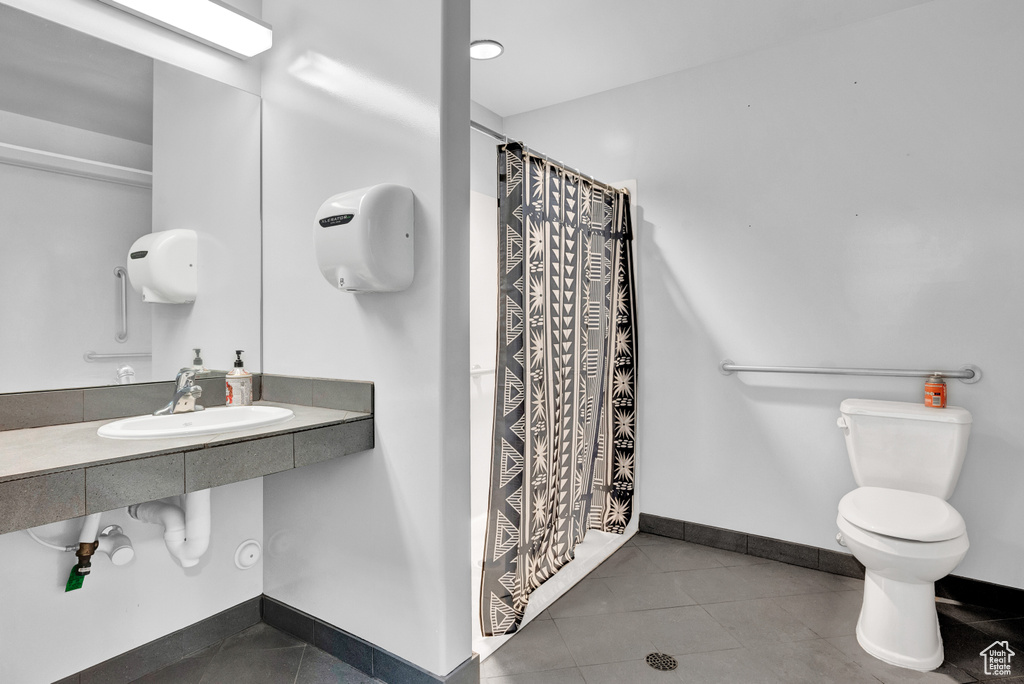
(162, 266)
(364, 239)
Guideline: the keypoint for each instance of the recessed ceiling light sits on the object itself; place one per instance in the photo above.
(485, 49)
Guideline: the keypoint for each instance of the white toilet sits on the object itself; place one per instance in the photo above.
(906, 459)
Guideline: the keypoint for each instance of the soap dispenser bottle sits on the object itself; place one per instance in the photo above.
(239, 384)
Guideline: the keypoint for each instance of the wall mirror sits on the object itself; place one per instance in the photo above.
(100, 145)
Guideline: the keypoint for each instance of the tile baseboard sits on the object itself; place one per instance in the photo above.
(960, 589)
(348, 648)
(360, 654)
(169, 649)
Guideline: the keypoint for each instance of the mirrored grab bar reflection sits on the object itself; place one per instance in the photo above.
(122, 274)
(93, 356)
(968, 374)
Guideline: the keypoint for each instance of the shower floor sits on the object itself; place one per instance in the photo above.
(595, 548)
(726, 618)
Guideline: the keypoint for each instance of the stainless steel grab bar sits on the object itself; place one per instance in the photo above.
(120, 272)
(93, 356)
(968, 374)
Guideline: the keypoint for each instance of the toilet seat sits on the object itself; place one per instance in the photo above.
(901, 514)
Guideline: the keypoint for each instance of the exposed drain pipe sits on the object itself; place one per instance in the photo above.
(186, 532)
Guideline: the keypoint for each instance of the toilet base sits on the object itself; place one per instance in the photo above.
(898, 623)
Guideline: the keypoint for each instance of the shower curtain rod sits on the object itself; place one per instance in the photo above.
(502, 138)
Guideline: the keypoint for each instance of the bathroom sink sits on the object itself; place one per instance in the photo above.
(210, 421)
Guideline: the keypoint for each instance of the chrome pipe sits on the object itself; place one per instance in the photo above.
(968, 374)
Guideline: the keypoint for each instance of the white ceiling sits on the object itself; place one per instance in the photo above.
(560, 50)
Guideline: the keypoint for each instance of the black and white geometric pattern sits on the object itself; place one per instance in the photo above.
(563, 453)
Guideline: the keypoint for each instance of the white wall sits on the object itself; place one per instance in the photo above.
(483, 160)
(48, 634)
(852, 199)
(483, 318)
(206, 177)
(375, 543)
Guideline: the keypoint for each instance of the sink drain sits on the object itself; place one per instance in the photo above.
(662, 661)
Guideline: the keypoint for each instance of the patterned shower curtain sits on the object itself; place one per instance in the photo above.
(565, 378)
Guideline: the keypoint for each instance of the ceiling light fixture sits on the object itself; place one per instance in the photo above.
(485, 49)
(211, 22)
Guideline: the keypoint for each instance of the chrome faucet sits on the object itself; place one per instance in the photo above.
(185, 394)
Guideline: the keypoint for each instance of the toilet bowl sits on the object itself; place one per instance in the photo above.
(906, 541)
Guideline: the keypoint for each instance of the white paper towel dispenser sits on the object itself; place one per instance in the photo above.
(163, 266)
(364, 239)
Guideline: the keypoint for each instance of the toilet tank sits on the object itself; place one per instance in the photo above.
(903, 445)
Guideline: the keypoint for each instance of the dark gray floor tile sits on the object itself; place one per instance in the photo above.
(260, 637)
(680, 556)
(598, 639)
(189, 670)
(628, 560)
(632, 671)
(688, 629)
(811, 662)
(569, 675)
(714, 585)
(646, 592)
(829, 614)
(535, 648)
(318, 667)
(1010, 630)
(590, 596)
(725, 667)
(780, 579)
(968, 613)
(890, 674)
(963, 645)
(254, 665)
(758, 621)
(621, 594)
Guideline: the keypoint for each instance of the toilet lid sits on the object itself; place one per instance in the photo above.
(900, 514)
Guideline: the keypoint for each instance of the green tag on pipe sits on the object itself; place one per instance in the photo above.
(75, 581)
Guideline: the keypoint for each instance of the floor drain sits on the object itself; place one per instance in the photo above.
(662, 661)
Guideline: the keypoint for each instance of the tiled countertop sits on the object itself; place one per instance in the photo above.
(60, 472)
(38, 451)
